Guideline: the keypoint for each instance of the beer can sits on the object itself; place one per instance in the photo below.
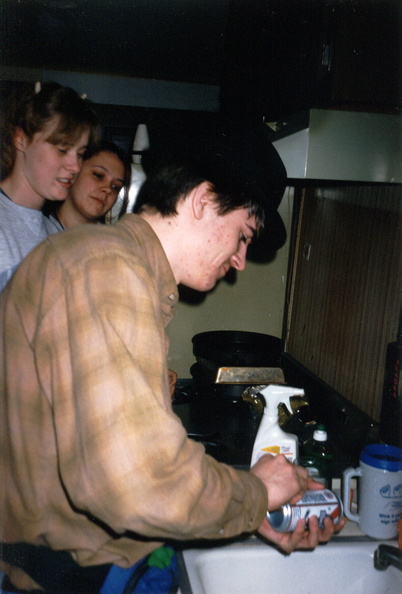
(320, 503)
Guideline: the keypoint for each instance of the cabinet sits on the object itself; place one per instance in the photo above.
(284, 56)
(345, 288)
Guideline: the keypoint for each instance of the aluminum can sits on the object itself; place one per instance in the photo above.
(320, 503)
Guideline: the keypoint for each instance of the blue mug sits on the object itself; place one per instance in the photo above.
(379, 491)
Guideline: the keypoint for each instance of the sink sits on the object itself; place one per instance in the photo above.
(344, 565)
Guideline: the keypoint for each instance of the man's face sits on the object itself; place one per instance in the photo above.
(219, 244)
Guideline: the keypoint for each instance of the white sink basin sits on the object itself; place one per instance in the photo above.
(252, 567)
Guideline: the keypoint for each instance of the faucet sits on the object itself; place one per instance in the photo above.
(386, 555)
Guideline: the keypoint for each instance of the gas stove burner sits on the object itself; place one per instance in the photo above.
(226, 426)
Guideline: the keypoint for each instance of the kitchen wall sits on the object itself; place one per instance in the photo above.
(254, 303)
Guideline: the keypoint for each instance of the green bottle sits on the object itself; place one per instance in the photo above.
(317, 448)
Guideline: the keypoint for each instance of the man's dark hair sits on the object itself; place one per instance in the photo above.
(165, 187)
(242, 167)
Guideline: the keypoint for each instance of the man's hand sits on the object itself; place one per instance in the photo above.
(287, 483)
(284, 481)
(301, 538)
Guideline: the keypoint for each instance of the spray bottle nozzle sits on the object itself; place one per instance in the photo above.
(275, 394)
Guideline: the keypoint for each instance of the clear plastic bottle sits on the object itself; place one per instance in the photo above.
(317, 448)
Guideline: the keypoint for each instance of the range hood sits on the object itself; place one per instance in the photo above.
(340, 145)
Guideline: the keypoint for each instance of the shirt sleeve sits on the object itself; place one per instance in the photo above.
(124, 457)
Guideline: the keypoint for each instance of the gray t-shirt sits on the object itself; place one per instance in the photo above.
(21, 229)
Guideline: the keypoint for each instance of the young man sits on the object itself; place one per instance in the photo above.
(95, 461)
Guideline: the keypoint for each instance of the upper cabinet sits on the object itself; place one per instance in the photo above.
(171, 40)
(256, 58)
(367, 55)
(285, 56)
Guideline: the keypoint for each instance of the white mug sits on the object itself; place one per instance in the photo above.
(379, 491)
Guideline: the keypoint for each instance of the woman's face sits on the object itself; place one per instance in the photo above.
(97, 186)
(48, 170)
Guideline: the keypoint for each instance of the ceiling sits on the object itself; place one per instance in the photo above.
(177, 40)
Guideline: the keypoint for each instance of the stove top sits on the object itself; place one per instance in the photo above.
(225, 423)
(226, 426)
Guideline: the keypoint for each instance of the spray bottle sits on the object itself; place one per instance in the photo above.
(270, 438)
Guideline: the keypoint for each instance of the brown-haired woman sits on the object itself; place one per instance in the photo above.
(44, 142)
(104, 177)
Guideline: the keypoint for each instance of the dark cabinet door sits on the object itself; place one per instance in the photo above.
(286, 56)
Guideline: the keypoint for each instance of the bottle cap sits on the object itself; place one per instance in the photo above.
(320, 434)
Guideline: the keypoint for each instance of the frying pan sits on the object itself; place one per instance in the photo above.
(236, 348)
